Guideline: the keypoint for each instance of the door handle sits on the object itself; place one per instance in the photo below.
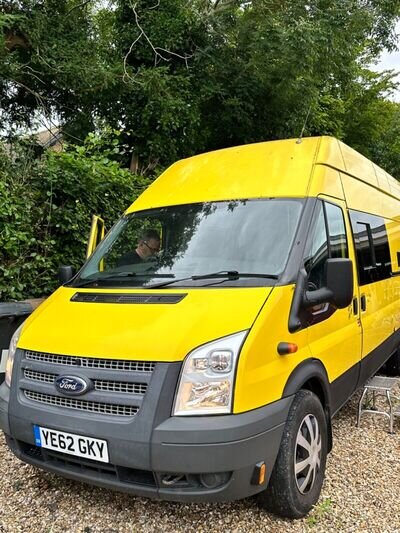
(363, 301)
(355, 305)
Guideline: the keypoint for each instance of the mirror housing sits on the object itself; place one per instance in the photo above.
(339, 285)
(65, 273)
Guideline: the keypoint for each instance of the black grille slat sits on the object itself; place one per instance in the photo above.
(89, 297)
(43, 377)
(82, 405)
(89, 362)
(119, 386)
(99, 384)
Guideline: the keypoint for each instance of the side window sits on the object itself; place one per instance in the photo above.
(337, 232)
(328, 240)
(372, 247)
(393, 229)
(317, 250)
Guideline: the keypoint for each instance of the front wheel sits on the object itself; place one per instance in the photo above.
(298, 473)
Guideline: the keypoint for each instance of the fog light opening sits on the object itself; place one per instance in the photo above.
(173, 479)
(208, 481)
(214, 480)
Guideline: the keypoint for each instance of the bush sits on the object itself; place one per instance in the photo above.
(46, 207)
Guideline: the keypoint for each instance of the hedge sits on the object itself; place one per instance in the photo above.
(46, 206)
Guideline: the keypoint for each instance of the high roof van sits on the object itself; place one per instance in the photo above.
(204, 347)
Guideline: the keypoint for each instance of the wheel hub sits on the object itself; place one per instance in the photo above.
(307, 458)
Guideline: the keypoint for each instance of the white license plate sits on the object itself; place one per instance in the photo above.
(60, 441)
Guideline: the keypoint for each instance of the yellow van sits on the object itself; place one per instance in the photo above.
(202, 350)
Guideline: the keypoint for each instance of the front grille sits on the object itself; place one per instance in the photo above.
(89, 362)
(99, 384)
(82, 405)
(118, 387)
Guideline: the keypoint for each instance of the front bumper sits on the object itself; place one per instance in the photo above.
(205, 458)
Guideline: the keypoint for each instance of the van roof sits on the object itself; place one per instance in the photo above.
(261, 170)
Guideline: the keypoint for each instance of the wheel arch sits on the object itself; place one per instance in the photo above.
(311, 375)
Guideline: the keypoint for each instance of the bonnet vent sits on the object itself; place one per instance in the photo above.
(107, 298)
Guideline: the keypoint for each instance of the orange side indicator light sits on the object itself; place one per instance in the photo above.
(261, 477)
(285, 348)
(258, 477)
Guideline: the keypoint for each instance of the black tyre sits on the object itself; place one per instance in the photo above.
(299, 470)
(392, 366)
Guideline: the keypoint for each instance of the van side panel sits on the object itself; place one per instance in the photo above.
(380, 315)
(378, 318)
(361, 197)
(262, 373)
(358, 165)
(327, 180)
(394, 187)
(337, 340)
(393, 229)
(330, 154)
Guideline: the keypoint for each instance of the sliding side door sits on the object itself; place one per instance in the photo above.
(376, 295)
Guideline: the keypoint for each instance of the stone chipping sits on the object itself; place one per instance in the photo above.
(361, 493)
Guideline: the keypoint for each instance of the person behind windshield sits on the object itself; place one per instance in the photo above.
(148, 247)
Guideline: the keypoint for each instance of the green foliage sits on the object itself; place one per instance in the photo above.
(320, 512)
(46, 207)
(50, 61)
(181, 77)
(372, 123)
(173, 78)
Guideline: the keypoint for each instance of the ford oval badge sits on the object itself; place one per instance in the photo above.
(71, 385)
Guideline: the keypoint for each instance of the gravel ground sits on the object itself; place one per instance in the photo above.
(361, 493)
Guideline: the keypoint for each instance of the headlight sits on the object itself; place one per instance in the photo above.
(207, 378)
(11, 354)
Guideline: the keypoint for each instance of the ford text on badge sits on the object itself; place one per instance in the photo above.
(71, 385)
(60, 441)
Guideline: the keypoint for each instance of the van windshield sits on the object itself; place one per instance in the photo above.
(241, 242)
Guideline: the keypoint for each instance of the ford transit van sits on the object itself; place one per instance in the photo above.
(202, 350)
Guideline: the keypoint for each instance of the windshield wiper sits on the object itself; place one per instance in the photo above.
(118, 275)
(234, 274)
(230, 275)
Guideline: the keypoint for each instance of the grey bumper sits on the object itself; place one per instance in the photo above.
(4, 402)
(205, 458)
(230, 445)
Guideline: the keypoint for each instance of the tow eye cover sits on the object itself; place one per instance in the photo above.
(72, 385)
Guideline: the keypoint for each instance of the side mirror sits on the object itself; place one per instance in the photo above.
(65, 273)
(339, 285)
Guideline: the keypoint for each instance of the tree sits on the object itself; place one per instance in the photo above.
(49, 61)
(185, 76)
